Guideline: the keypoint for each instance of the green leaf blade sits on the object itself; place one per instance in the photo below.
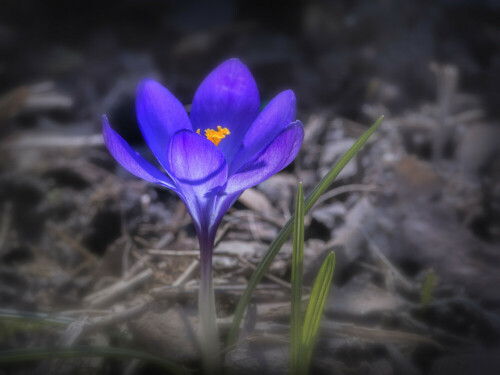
(328, 179)
(296, 298)
(315, 307)
(285, 232)
(428, 288)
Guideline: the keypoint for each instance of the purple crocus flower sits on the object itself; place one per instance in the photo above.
(225, 145)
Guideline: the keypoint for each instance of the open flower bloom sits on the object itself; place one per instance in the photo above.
(222, 148)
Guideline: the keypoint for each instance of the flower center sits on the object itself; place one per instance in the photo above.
(216, 136)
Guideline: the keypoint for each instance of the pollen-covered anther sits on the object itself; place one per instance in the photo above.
(216, 136)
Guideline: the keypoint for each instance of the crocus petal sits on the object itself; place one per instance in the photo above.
(131, 160)
(160, 116)
(200, 170)
(278, 114)
(228, 97)
(272, 159)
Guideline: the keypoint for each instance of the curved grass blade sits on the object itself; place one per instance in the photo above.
(13, 321)
(296, 301)
(428, 289)
(285, 232)
(315, 308)
(37, 354)
(7, 315)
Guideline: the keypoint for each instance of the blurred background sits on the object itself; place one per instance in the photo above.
(414, 220)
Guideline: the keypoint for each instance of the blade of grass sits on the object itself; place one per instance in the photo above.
(296, 300)
(315, 308)
(282, 236)
(13, 321)
(37, 354)
(428, 288)
(9, 315)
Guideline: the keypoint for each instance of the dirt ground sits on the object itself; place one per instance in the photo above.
(414, 220)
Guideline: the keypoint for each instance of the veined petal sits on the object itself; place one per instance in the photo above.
(160, 116)
(131, 160)
(199, 169)
(229, 98)
(272, 159)
(223, 204)
(297, 143)
(278, 114)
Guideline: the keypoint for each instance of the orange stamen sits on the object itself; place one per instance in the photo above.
(216, 136)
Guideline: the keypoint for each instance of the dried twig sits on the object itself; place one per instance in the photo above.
(190, 288)
(72, 242)
(34, 141)
(187, 274)
(86, 325)
(106, 295)
(387, 263)
(222, 232)
(273, 278)
(196, 253)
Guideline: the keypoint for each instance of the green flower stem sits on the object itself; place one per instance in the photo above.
(209, 335)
